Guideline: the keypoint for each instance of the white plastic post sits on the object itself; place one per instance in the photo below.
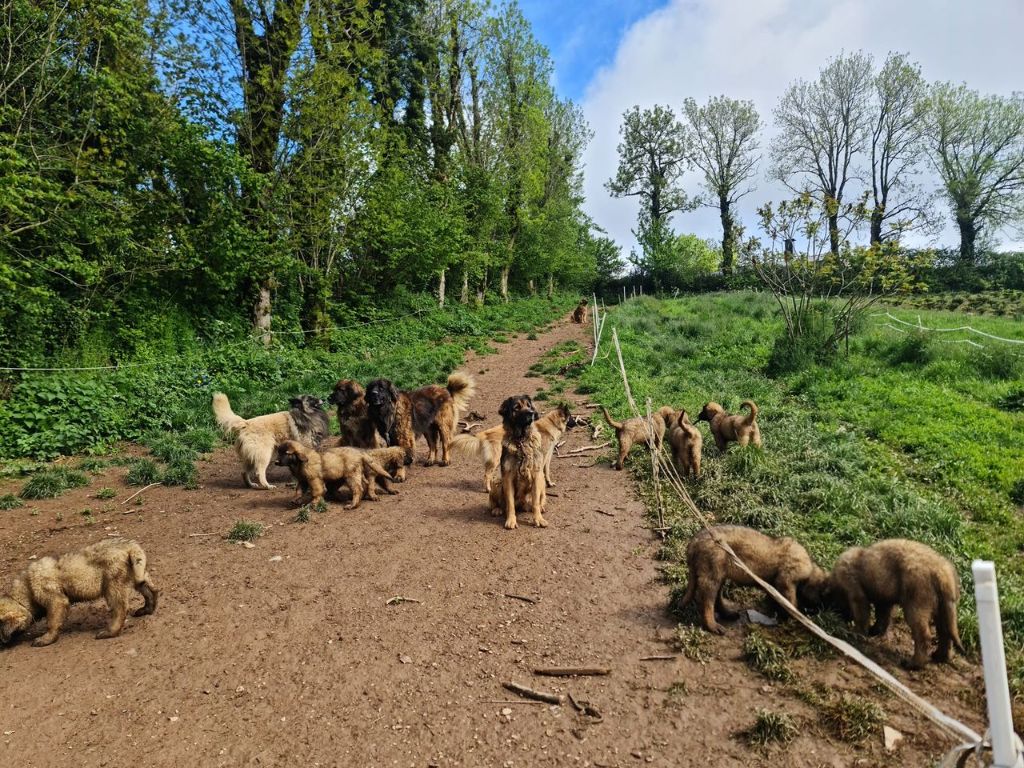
(1005, 744)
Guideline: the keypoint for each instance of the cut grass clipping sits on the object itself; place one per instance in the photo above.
(245, 530)
(771, 728)
(51, 483)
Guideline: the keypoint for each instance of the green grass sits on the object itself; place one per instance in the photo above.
(906, 437)
(105, 493)
(851, 718)
(771, 728)
(51, 483)
(10, 501)
(764, 656)
(245, 530)
(142, 472)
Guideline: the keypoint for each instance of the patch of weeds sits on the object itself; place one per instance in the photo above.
(87, 514)
(181, 472)
(59, 516)
(531, 336)
(105, 493)
(169, 448)
(1012, 401)
(201, 440)
(764, 656)
(303, 514)
(771, 728)
(93, 465)
(10, 501)
(851, 718)
(51, 483)
(693, 642)
(675, 693)
(1017, 492)
(142, 472)
(245, 530)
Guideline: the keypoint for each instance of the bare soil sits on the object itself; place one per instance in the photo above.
(287, 653)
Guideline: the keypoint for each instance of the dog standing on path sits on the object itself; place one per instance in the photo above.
(522, 486)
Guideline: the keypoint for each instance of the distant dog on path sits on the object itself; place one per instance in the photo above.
(579, 315)
(728, 429)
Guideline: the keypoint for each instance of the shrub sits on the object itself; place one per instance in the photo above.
(772, 728)
(50, 483)
(852, 718)
(246, 530)
(10, 501)
(142, 472)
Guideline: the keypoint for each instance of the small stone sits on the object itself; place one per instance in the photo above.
(173, 719)
(248, 545)
(506, 711)
(276, 559)
(892, 738)
(405, 659)
(637, 754)
(240, 689)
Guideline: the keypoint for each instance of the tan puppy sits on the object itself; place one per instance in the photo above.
(111, 569)
(905, 573)
(321, 472)
(485, 445)
(355, 426)
(579, 315)
(635, 430)
(522, 484)
(687, 443)
(392, 459)
(783, 563)
(256, 438)
(728, 429)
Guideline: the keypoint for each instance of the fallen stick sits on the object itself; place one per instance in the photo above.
(578, 451)
(397, 599)
(138, 492)
(586, 708)
(666, 657)
(469, 426)
(512, 701)
(572, 671)
(529, 693)
(524, 598)
(602, 512)
(194, 535)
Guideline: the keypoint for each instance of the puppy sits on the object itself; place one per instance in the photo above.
(579, 315)
(392, 459)
(320, 472)
(357, 429)
(522, 484)
(485, 445)
(727, 429)
(636, 430)
(783, 563)
(256, 438)
(110, 569)
(905, 573)
(687, 443)
(431, 411)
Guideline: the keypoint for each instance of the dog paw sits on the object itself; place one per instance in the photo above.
(444, 463)
(143, 611)
(540, 522)
(105, 634)
(717, 629)
(912, 664)
(43, 641)
(510, 524)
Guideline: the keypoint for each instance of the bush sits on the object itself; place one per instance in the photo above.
(142, 472)
(50, 483)
(772, 728)
(245, 530)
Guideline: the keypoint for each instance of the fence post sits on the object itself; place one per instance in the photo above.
(1005, 744)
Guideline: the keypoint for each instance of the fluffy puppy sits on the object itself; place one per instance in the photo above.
(726, 429)
(392, 459)
(579, 315)
(522, 484)
(431, 411)
(635, 430)
(357, 429)
(687, 443)
(783, 563)
(321, 472)
(256, 438)
(905, 573)
(111, 569)
(485, 445)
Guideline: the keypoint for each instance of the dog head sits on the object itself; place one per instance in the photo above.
(381, 397)
(564, 416)
(291, 454)
(517, 414)
(583, 302)
(14, 618)
(346, 392)
(306, 403)
(817, 591)
(709, 411)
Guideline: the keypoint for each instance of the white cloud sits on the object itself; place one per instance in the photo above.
(753, 49)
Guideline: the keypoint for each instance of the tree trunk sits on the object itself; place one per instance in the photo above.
(262, 317)
(504, 282)
(464, 296)
(728, 235)
(876, 226)
(440, 290)
(833, 232)
(551, 284)
(968, 234)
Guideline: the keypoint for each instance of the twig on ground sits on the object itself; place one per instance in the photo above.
(194, 535)
(398, 599)
(530, 693)
(602, 512)
(665, 657)
(469, 426)
(524, 598)
(512, 701)
(586, 708)
(138, 492)
(572, 671)
(578, 451)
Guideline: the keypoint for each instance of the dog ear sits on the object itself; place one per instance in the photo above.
(295, 402)
(392, 391)
(505, 411)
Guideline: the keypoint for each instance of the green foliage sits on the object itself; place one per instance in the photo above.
(181, 472)
(106, 493)
(10, 501)
(142, 472)
(246, 530)
(766, 657)
(850, 717)
(772, 728)
(51, 483)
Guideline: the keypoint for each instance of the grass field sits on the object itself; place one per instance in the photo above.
(908, 436)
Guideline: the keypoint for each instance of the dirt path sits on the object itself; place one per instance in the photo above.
(286, 654)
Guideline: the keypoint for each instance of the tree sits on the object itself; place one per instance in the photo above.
(976, 144)
(823, 127)
(724, 133)
(897, 146)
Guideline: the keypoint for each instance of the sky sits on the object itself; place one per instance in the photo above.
(609, 56)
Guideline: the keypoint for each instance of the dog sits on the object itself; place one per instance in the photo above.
(485, 445)
(635, 430)
(783, 563)
(320, 472)
(110, 569)
(579, 315)
(687, 443)
(727, 429)
(522, 485)
(392, 459)
(256, 438)
(357, 429)
(905, 573)
(431, 411)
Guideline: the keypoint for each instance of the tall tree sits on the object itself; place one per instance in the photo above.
(898, 204)
(724, 133)
(822, 127)
(976, 144)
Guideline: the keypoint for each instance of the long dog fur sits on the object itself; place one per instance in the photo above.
(522, 484)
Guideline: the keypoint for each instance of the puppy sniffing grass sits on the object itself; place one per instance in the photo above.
(636, 430)
(111, 569)
(727, 428)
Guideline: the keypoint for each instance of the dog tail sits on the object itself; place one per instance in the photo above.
(945, 622)
(137, 563)
(227, 420)
(462, 387)
(753, 411)
(472, 446)
(611, 422)
(683, 418)
(372, 467)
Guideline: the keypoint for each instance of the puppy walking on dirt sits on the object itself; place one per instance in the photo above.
(258, 437)
(728, 429)
(321, 472)
(687, 444)
(636, 430)
(905, 573)
(111, 569)
(783, 563)
(522, 486)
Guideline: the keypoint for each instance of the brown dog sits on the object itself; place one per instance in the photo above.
(579, 315)
(522, 485)
(322, 472)
(110, 569)
(687, 443)
(392, 459)
(728, 429)
(783, 563)
(256, 438)
(636, 430)
(431, 411)
(355, 425)
(905, 573)
(485, 445)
